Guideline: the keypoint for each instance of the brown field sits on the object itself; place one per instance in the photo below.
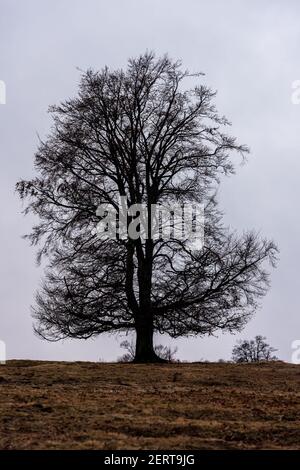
(58, 405)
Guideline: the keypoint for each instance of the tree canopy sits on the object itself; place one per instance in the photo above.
(141, 134)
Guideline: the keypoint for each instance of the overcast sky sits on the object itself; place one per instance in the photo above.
(249, 52)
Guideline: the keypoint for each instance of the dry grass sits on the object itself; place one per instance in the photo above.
(57, 405)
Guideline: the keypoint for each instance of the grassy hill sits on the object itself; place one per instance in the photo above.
(58, 405)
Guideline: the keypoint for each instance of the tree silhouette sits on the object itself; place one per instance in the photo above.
(139, 133)
(255, 350)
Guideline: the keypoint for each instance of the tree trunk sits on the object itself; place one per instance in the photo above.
(144, 351)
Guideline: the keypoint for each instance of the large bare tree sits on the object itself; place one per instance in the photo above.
(139, 133)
